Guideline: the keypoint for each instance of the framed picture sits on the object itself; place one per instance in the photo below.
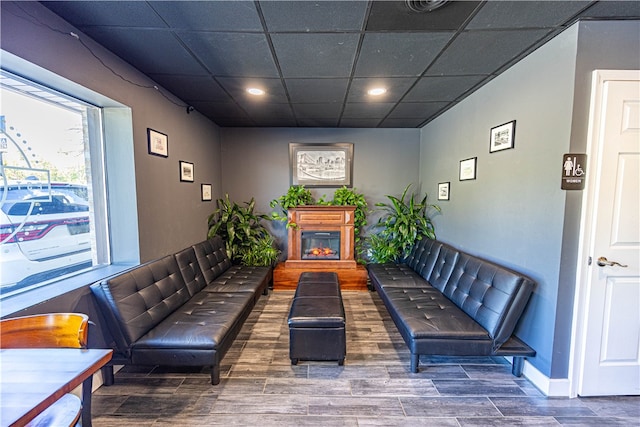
(186, 171)
(321, 165)
(502, 137)
(205, 190)
(443, 190)
(468, 169)
(158, 143)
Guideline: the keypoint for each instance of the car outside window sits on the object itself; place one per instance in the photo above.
(47, 228)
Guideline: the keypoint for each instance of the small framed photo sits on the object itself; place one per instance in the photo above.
(158, 143)
(206, 190)
(186, 171)
(468, 169)
(502, 137)
(443, 190)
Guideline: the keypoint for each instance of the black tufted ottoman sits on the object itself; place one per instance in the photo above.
(316, 319)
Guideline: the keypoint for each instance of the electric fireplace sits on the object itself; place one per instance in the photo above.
(320, 245)
(320, 238)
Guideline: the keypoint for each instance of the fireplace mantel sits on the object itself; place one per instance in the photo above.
(352, 276)
(321, 218)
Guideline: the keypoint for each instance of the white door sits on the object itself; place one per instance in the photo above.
(611, 353)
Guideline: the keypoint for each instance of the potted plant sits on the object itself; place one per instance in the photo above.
(402, 223)
(262, 253)
(297, 195)
(344, 196)
(247, 240)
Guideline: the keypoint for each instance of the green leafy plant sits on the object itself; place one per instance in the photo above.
(263, 253)
(297, 195)
(241, 229)
(402, 223)
(344, 196)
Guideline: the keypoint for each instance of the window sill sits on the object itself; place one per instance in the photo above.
(15, 303)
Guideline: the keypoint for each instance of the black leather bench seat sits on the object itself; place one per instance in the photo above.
(429, 314)
(206, 267)
(447, 302)
(329, 277)
(316, 312)
(206, 320)
(181, 310)
(396, 275)
(242, 279)
(317, 320)
(319, 289)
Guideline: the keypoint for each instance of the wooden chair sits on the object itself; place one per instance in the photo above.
(66, 330)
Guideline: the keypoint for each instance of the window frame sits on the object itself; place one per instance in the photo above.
(112, 180)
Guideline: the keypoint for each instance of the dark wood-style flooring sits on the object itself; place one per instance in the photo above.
(260, 387)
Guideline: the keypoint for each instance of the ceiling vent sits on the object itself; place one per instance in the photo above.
(422, 6)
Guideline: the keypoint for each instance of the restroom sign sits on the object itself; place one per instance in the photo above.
(574, 171)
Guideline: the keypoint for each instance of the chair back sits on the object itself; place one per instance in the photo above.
(65, 330)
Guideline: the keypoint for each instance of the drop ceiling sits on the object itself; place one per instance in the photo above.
(315, 60)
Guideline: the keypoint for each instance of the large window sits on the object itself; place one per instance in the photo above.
(51, 191)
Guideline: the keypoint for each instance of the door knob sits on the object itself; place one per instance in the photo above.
(603, 262)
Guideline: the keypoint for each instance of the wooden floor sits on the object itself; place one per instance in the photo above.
(260, 387)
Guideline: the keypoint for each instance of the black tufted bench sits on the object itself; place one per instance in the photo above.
(316, 319)
(185, 309)
(449, 303)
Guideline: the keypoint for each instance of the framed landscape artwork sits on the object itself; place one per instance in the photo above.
(321, 165)
(186, 171)
(206, 191)
(443, 190)
(502, 137)
(158, 143)
(468, 169)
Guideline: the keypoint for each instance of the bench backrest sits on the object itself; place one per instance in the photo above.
(423, 256)
(433, 260)
(212, 258)
(190, 270)
(135, 301)
(492, 295)
(443, 267)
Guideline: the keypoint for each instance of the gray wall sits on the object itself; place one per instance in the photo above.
(171, 215)
(255, 163)
(595, 51)
(513, 212)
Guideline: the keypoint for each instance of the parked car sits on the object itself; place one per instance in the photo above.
(44, 232)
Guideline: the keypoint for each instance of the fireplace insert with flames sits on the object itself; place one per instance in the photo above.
(320, 245)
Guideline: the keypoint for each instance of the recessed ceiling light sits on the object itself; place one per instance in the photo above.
(377, 91)
(255, 91)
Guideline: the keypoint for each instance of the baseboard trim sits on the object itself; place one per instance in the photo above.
(551, 387)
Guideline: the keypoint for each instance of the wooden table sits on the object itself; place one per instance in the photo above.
(32, 379)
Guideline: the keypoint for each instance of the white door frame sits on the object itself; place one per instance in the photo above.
(587, 223)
